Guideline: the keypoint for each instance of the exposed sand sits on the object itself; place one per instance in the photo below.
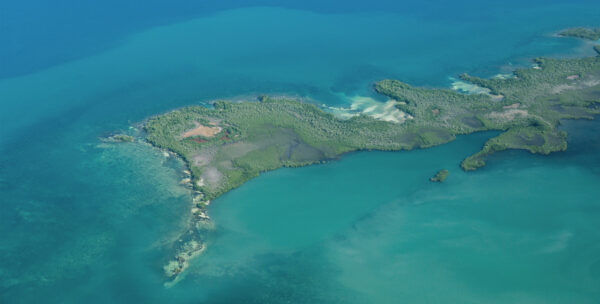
(202, 130)
(469, 88)
(385, 111)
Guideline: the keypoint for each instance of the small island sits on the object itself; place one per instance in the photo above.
(230, 143)
(582, 33)
(440, 176)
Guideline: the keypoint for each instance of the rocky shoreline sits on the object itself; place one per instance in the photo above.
(193, 241)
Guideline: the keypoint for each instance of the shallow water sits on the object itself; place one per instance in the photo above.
(521, 230)
(86, 221)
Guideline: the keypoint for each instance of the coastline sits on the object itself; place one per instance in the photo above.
(193, 241)
(519, 130)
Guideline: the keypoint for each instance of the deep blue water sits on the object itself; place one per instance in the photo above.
(36, 34)
(85, 221)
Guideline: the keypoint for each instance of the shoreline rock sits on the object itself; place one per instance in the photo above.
(118, 138)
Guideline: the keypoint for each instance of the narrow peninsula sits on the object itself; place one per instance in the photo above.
(581, 32)
(232, 142)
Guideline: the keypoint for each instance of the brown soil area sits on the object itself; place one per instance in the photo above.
(201, 130)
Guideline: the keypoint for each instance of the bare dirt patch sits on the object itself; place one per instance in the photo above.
(202, 130)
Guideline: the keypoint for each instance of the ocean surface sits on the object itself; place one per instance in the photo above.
(83, 221)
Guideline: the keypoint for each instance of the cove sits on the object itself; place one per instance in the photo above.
(292, 208)
(370, 228)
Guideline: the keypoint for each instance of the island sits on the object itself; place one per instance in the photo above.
(229, 143)
(440, 176)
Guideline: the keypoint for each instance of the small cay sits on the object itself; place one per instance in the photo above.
(440, 176)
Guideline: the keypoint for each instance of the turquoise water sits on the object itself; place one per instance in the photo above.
(86, 221)
(522, 230)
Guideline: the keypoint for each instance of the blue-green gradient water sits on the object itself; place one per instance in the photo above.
(82, 221)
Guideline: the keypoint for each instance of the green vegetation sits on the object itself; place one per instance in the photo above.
(259, 136)
(535, 101)
(440, 177)
(262, 136)
(582, 32)
(532, 139)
